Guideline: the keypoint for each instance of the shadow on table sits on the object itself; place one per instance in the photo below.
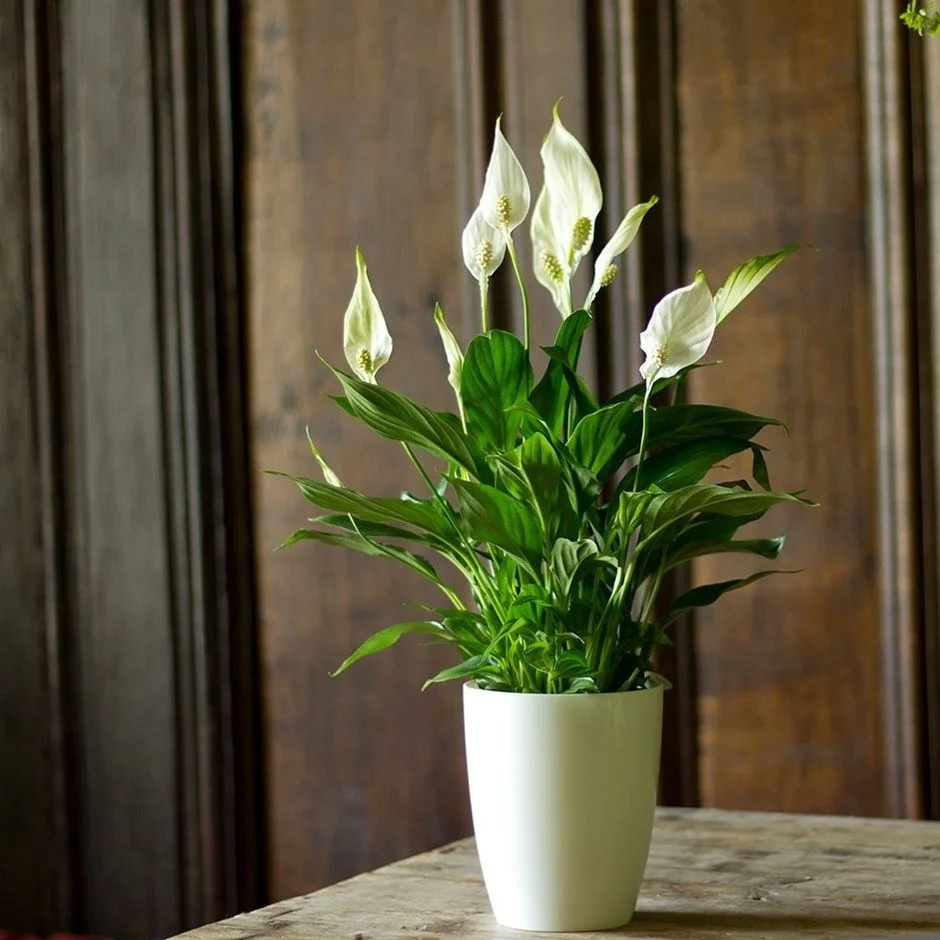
(663, 923)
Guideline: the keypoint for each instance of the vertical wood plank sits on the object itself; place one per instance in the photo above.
(772, 149)
(351, 138)
(34, 862)
(895, 372)
(930, 142)
(124, 622)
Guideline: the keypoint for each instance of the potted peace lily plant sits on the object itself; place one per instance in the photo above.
(561, 515)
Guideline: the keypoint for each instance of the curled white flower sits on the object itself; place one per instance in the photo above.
(506, 196)
(679, 332)
(484, 247)
(604, 268)
(575, 191)
(548, 257)
(366, 340)
(325, 468)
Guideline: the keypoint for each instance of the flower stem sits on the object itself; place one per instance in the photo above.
(522, 290)
(639, 460)
(484, 287)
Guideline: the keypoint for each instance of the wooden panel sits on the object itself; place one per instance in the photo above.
(710, 874)
(930, 154)
(894, 328)
(352, 132)
(120, 544)
(32, 855)
(772, 148)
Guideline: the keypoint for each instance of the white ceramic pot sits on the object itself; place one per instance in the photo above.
(563, 790)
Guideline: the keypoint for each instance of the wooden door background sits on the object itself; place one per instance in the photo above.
(182, 187)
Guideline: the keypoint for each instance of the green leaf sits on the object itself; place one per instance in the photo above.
(389, 636)
(368, 546)
(374, 529)
(601, 441)
(745, 278)
(400, 419)
(551, 396)
(496, 376)
(582, 685)
(765, 548)
(759, 469)
(469, 667)
(543, 473)
(663, 512)
(489, 515)
(676, 424)
(707, 594)
(566, 558)
(686, 463)
(571, 334)
(569, 664)
(426, 516)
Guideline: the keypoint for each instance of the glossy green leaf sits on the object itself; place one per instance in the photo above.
(496, 376)
(665, 511)
(400, 419)
(685, 463)
(601, 441)
(368, 546)
(765, 548)
(543, 473)
(389, 636)
(426, 516)
(707, 594)
(465, 670)
(489, 515)
(551, 395)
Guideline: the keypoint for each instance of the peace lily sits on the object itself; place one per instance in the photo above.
(506, 196)
(574, 191)
(679, 332)
(366, 340)
(551, 271)
(561, 512)
(484, 248)
(604, 268)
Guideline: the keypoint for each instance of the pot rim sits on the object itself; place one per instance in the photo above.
(658, 684)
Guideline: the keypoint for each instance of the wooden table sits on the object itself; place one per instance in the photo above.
(710, 874)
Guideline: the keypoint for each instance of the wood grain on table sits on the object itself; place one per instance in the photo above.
(711, 873)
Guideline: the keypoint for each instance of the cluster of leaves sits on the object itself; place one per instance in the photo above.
(921, 17)
(563, 560)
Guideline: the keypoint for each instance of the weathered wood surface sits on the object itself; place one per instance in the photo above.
(711, 873)
(797, 694)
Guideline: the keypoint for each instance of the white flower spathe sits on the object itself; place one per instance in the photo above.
(548, 257)
(484, 247)
(366, 340)
(679, 332)
(574, 189)
(506, 195)
(451, 349)
(604, 268)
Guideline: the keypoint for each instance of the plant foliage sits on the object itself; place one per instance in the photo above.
(561, 514)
